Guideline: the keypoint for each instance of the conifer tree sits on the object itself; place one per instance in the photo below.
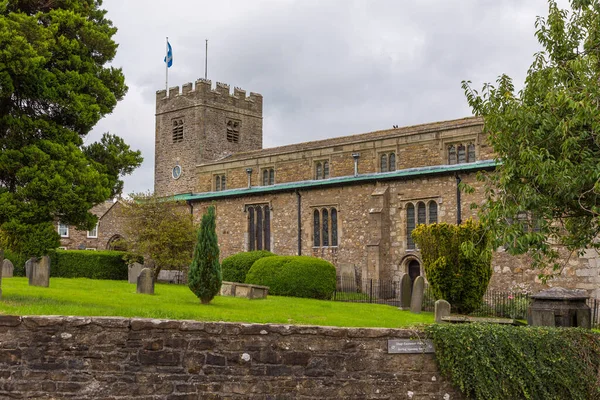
(204, 276)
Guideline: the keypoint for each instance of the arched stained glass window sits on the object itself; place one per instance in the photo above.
(316, 229)
(334, 228)
(410, 225)
(326, 169)
(433, 214)
(383, 163)
(218, 183)
(271, 176)
(251, 230)
(319, 170)
(265, 177)
(392, 162)
(259, 228)
(325, 232)
(223, 182)
(421, 213)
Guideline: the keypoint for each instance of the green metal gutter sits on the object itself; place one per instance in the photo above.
(341, 180)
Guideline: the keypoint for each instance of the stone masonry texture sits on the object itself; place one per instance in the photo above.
(118, 358)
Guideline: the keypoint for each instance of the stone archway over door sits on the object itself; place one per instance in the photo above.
(116, 243)
(414, 270)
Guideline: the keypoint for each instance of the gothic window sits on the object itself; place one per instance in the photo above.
(177, 130)
(424, 214)
(233, 130)
(322, 170)
(220, 183)
(433, 212)
(421, 213)
(471, 153)
(410, 225)
(451, 154)
(325, 227)
(383, 163)
(268, 176)
(462, 156)
(316, 229)
(259, 227)
(387, 162)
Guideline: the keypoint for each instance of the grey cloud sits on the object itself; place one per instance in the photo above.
(325, 68)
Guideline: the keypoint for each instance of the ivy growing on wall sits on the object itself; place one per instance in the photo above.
(487, 361)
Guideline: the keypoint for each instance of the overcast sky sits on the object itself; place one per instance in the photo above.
(325, 68)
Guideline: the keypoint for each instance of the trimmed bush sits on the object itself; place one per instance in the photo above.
(88, 264)
(507, 362)
(458, 262)
(18, 262)
(236, 267)
(298, 276)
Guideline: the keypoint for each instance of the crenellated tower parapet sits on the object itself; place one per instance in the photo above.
(220, 95)
(198, 123)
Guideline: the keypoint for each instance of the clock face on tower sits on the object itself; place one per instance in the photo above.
(176, 172)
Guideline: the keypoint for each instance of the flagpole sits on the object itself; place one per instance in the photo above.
(206, 60)
(167, 67)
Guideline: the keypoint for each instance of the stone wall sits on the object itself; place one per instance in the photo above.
(117, 358)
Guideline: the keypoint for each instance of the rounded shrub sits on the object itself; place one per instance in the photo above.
(235, 267)
(298, 276)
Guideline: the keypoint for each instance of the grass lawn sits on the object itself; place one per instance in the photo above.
(87, 297)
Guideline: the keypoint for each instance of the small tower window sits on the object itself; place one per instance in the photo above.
(326, 169)
(233, 130)
(220, 183)
(177, 130)
(392, 162)
(268, 176)
(384, 163)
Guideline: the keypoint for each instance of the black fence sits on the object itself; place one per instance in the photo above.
(495, 304)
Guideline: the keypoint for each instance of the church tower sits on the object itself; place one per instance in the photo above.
(196, 125)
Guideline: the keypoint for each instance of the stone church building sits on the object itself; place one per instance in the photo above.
(352, 200)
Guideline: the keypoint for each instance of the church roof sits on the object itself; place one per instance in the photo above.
(409, 173)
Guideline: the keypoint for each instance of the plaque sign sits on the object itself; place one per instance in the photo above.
(408, 346)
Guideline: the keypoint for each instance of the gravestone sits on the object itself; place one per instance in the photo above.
(28, 266)
(134, 271)
(416, 300)
(39, 275)
(442, 309)
(8, 269)
(405, 291)
(347, 282)
(145, 282)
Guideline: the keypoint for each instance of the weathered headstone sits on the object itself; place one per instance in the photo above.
(28, 266)
(442, 309)
(134, 271)
(405, 291)
(8, 269)
(40, 272)
(145, 282)
(416, 301)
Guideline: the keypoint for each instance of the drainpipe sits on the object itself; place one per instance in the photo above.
(355, 156)
(249, 172)
(458, 205)
(299, 197)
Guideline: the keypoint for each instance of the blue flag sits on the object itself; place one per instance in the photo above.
(169, 57)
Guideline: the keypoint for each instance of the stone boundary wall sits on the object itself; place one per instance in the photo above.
(119, 358)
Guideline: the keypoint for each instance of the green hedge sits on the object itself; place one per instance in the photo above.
(88, 264)
(236, 267)
(487, 361)
(298, 276)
